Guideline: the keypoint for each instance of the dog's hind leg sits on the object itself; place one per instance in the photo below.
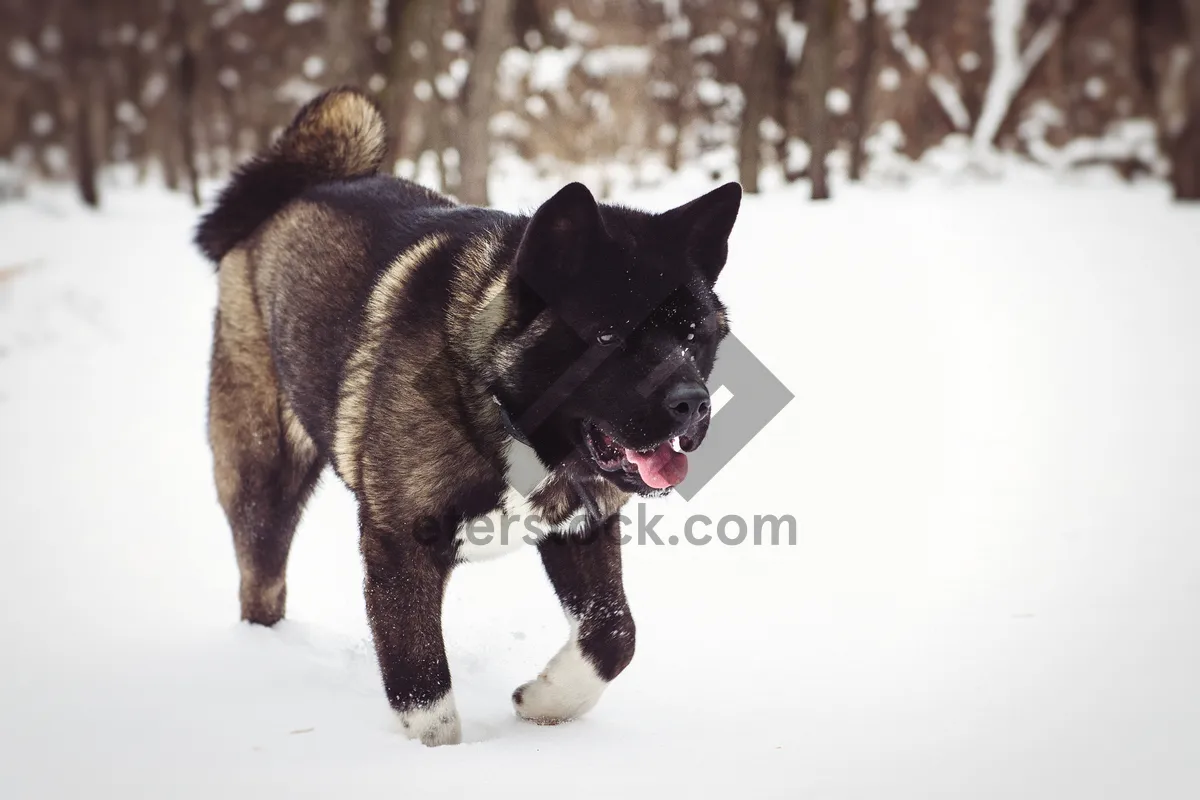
(585, 571)
(264, 462)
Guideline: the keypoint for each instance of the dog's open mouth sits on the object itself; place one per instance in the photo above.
(660, 466)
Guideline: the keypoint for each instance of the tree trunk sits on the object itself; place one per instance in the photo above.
(495, 25)
(1185, 155)
(187, 121)
(82, 101)
(401, 73)
(678, 70)
(84, 118)
(757, 91)
(864, 70)
(170, 159)
(342, 21)
(186, 37)
(438, 130)
(820, 76)
(1012, 65)
(233, 126)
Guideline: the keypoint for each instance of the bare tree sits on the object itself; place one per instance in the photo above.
(443, 107)
(914, 49)
(343, 23)
(757, 90)
(405, 27)
(1185, 173)
(864, 70)
(495, 27)
(82, 98)
(819, 62)
(192, 86)
(1014, 64)
(674, 78)
(187, 34)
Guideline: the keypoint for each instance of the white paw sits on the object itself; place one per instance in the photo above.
(433, 725)
(567, 688)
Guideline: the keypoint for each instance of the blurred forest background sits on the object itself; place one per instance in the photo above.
(764, 91)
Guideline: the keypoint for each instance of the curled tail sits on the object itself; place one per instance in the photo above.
(338, 134)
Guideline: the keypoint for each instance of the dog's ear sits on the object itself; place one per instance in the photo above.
(555, 245)
(703, 227)
(559, 233)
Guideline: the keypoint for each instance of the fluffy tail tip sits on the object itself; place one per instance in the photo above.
(338, 134)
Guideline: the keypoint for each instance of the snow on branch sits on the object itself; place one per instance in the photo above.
(943, 89)
(1012, 67)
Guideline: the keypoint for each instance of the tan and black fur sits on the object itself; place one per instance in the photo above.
(371, 325)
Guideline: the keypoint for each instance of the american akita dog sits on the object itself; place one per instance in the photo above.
(413, 343)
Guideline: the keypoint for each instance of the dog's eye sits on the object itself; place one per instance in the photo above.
(606, 338)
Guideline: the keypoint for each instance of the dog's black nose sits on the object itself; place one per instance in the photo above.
(687, 401)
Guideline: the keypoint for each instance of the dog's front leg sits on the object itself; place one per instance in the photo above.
(405, 580)
(585, 571)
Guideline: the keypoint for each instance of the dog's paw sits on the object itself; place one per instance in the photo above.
(433, 725)
(567, 689)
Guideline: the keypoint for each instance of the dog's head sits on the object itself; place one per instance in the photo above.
(616, 328)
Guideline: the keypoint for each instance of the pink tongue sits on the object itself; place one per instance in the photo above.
(661, 468)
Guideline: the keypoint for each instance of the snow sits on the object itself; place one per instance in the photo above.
(993, 459)
(314, 67)
(837, 100)
(889, 79)
(131, 115)
(710, 92)
(1135, 139)
(575, 29)
(297, 91)
(616, 60)
(536, 105)
(794, 33)
(944, 90)
(1012, 65)
(948, 96)
(547, 70)
(302, 11)
(42, 124)
(459, 69)
(550, 68)
(154, 88)
(23, 54)
(708, 44)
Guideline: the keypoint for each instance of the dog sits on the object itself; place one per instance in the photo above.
(417, 345)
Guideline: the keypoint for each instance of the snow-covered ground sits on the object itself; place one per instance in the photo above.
(993, 459)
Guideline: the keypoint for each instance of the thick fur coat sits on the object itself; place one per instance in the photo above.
(413, 344)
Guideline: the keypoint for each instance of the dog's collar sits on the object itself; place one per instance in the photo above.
(509, 426)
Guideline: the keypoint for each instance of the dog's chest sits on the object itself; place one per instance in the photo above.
(516, 523)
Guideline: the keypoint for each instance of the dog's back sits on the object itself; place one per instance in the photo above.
(305, 233)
